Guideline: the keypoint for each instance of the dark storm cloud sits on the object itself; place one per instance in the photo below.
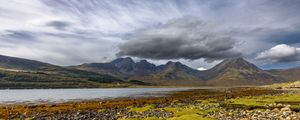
(285, 37)
(59, 25)
(290, 38)
(185, 38)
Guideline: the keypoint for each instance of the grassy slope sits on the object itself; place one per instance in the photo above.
(286, 85)
(56, 79)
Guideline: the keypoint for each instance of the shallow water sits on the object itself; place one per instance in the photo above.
(64, 95)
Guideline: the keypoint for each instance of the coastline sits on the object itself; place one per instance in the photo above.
(143, 108)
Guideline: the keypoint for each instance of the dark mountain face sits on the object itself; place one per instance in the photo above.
(125, 65)
(144, 67)
(120, 67)
(21, 64)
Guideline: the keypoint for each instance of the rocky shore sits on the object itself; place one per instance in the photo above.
(243, 104)
(220, 113)
(266, 114)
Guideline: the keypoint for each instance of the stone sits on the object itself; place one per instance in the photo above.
(276, 110)
(285, 109)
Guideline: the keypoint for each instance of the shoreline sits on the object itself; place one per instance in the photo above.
(142, 95)
(142, 86)
(193, 97)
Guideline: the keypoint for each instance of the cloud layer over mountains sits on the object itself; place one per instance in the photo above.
(195, 32)
(181, 38)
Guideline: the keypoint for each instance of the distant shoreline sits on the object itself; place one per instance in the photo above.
(153, 86)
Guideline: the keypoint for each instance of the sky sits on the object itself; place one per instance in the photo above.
(199, 33)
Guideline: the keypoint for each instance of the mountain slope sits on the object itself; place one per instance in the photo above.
(67, 79)
(289, 74)
(21, 64)
(24, 73)
(102, 68)
(237, 71)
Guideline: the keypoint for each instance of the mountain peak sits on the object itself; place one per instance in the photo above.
(238, 63)
(144, 67)
(144, 61)
(177, 66)
(119, 60)
(174, 63)
(236, 59)
(124, 64)
(235, 64)
(238, 71)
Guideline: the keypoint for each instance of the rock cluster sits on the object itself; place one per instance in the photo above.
(284, 113)
(280, 112)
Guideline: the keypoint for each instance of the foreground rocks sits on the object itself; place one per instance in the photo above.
(212, 111)
(240, 114)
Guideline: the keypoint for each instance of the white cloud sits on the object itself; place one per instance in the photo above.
(280, 53)
(201, 69)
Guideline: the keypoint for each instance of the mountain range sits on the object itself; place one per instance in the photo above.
(24, 73)
(232, 71)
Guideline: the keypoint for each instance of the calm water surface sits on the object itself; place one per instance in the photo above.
(63, 95)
